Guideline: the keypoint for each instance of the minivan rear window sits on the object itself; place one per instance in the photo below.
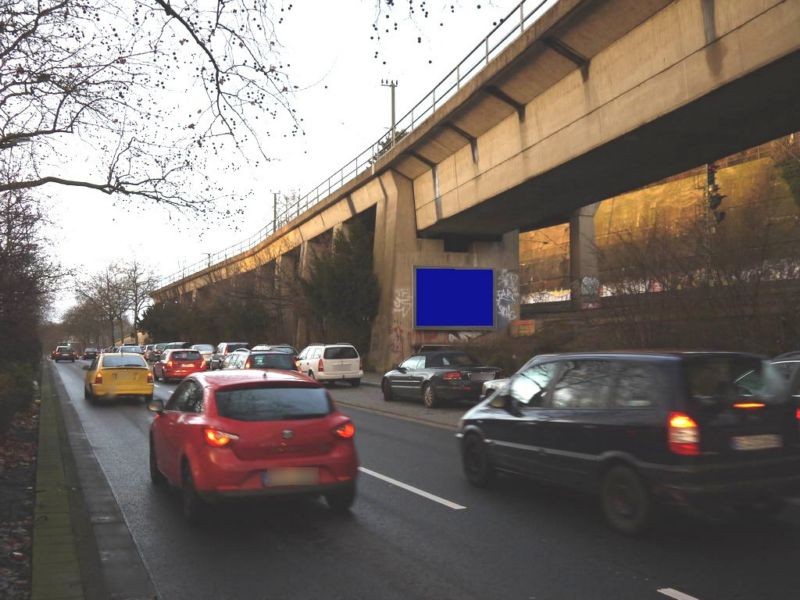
(273, 403)
(278, 360)
(340, 352)
(714, 380)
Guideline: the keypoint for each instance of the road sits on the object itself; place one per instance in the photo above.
(436, 538)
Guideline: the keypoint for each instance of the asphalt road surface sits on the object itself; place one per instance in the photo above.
(418, 530)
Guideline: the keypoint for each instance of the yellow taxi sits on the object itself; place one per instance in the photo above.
(118, 375)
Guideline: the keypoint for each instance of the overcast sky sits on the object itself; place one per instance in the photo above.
(344, 108)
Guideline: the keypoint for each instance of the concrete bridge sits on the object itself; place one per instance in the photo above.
(592, 99)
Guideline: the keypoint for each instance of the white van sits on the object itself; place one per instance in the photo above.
(331, 362)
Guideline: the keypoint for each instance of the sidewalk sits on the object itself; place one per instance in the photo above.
(446, 417)
(56, 569)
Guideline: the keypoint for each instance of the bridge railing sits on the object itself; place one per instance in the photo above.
(500, 37)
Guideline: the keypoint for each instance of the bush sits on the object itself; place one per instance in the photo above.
(16, 390)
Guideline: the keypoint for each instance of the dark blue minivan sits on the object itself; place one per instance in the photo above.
(696, 429)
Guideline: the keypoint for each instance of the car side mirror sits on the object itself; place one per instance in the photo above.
(507, 403)
(155, 405)
(401, 369)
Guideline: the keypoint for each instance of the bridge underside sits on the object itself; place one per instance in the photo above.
(752, 110)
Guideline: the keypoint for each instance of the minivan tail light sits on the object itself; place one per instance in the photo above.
(320, 366)
(749, 405)
(451, 375)
(683, 435)
(217, 438)
(98, 378)
(346, 431)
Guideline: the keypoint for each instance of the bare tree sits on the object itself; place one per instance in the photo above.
(139, 281)
(108, 292)
(83, 74)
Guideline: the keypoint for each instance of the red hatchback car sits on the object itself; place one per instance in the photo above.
(177, 364)
(243, 434)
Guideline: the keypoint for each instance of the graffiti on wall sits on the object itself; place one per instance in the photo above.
(507, 295)
(401, 304)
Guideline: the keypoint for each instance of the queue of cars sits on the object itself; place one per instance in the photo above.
(642, 430)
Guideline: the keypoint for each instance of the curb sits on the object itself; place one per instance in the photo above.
(110, 563)
(55, 570)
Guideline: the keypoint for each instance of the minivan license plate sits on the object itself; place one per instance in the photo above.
(756, 442)
(290, 476)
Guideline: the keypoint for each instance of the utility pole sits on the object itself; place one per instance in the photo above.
(274, 211)
(391, 83)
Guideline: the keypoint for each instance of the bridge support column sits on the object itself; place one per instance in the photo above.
(308, 250)
(285, 279)
(583, 268)
(397, 250)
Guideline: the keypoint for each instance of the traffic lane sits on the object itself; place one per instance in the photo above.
(682, 553)
(288, 549)
(564, 548)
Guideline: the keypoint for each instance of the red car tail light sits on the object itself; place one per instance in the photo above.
(168, 364)
(797, 415)
(320, 366)
(345, 430)
(149, 377)
(451, 376)
(248, 364)
(217, 438)
(98, 378)
(683, 435)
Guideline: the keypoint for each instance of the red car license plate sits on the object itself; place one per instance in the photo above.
(290, 476)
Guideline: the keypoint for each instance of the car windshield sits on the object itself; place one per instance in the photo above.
(232, 347)
(340, 352)
(203, 347)
(275, 360)
(62, 349)
(185, 355)
(115, 361)
(273, 403)
(715, 380)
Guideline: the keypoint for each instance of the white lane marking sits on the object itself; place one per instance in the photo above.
(676, 594)
(413, 490)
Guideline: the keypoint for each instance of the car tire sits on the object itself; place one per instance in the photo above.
(355, 382)
(148, 398)
(87, 395)
(429, 398)
(386, 388)
(156, 477)
(476, 462)
(194, 508)
(340, 501)
(626, 501)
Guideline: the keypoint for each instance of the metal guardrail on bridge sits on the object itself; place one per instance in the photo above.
(506, 31)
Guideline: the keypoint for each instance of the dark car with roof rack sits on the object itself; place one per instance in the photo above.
(703, 430)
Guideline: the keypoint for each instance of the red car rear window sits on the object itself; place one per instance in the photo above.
(187, 355)
(273, 403)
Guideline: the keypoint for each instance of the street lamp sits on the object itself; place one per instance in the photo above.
(391, 83)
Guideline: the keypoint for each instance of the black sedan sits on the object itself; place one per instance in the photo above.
(89, 354)
(435, 377)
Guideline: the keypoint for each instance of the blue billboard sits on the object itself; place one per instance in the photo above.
(446, 298)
